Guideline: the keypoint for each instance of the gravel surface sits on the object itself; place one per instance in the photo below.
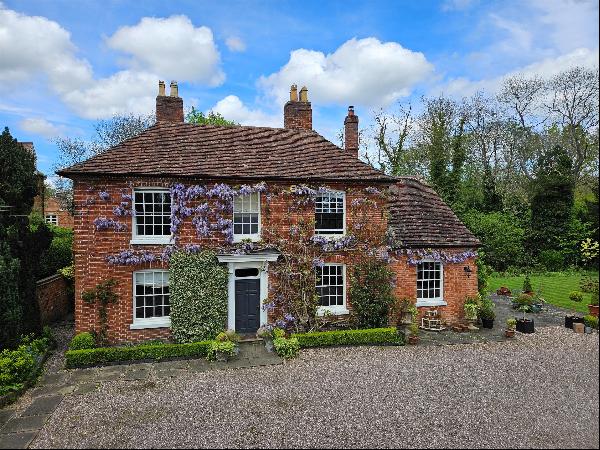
(539, 390)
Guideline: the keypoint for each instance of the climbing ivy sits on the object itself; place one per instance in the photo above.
(198, 296)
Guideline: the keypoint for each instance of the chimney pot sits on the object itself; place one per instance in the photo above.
(174, 89)
(294, 93)
(304, 94)
(161, 88)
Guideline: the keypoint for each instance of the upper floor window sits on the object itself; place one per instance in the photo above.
(429, 282)
(246, 216)
(52, 218)
(152, 214)
(330, 212)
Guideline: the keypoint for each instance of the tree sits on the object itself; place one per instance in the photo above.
(212, 118)
(18, 180)
(552, 200)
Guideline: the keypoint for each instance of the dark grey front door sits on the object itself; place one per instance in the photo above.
(247, 305)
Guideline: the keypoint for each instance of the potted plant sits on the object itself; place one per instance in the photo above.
(413, 337)
(265, 332)
(486, 313)
(591, 323)
(510, 327)
(525, 325)
(503, 290)
(593, 306)
(527, 288)
(407, 312)
(570, 319)
(471, 309)
(224, 346)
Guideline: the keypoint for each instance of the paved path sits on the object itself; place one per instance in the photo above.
(20, 424)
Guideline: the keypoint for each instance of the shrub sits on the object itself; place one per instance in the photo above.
(198, 287)
(350, 337)
(60, 252)
(82, 341)
(511, 324)
(287, 348)
(487, 309)
(594, 299)
(523, 301)
(576, 296)
(223, 346)
(527, 284)
(588, 284)
(472, 307)
(101, 356)
(591, 321)
(18, 366)
(371, 293)
(552, 260)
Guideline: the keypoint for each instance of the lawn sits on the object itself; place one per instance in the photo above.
(553, 287)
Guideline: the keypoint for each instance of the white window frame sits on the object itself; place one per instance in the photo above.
(145, 239)
(336, 310)
(152, 322)
(344, 212)
(254, 237)
(438, 301)
(51, 219)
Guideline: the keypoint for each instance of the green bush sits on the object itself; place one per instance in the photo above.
(523, 301)
(223, 346)
(527, 287)
(487, 309)
(198, 287)
(11, 309)
(594, 298)
(82, 341)
(576, 296)
(552, 260)
(287, 348)
(101, 356)
(350, 337)
(371, 293)
(591, 321)
(588, 284)
(60, 252)
(18, 366)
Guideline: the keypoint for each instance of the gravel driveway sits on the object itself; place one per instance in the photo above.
(539, 390)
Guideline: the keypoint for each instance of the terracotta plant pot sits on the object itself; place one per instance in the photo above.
(593, 310)
(509, 333)
(413, 340)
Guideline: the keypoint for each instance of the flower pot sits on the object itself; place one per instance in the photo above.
(487, 323)
(509, 333)
(588, 330)
(269, 345)
(593, 310)
(525, 326)
(406, 318)
(413, 340)
(570, 320)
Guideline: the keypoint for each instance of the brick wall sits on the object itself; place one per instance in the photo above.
(55, 299)
(91, 247)
(458, 285)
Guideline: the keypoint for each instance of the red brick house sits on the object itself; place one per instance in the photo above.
(151, 193)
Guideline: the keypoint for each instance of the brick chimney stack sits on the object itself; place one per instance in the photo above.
(351, 132)
(169, 108)
(297, 114)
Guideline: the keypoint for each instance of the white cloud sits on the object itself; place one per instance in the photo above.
(235, 44)
(457, 5)
(232, 108)
(545, 68)
(361, 71)
(171, 48)
(41, 127)
(33, 45)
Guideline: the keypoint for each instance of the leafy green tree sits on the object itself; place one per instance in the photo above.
(11, 311)
(552, 200)
(212, 118)
(18, 180)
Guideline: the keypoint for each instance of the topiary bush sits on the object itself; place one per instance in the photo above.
(576, 296)
(350, 337)
(82, 341)
(198, 296)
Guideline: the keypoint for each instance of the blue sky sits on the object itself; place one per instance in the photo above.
(65, 64)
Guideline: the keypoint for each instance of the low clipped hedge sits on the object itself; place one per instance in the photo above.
(108, 355)
(372, 336)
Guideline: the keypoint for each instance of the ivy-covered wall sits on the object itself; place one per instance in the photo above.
(198, 296)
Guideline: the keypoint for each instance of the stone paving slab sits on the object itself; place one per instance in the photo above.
(53, 379)
(141, 373)
(5, 415)
(85, 388)
(42, 406)
(17, 440)
(18, 424)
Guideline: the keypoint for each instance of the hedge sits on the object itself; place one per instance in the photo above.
(107, 355)
(350, 337)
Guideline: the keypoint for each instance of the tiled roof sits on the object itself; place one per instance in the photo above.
(419, 218)
(182, 149)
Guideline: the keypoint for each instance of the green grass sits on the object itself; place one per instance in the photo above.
(553, 287)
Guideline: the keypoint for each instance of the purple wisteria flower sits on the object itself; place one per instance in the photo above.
(131, 258)
(317, 262)
(103, 223)
(372, 190)
(104, 195)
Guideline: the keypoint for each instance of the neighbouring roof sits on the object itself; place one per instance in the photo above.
(419, 218)
(182, 149)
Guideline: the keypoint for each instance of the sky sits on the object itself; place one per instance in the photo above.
(66, 64)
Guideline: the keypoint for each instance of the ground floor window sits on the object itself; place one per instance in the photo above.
(52, 219)
(151, 296)
(429, 281)
(331, 287)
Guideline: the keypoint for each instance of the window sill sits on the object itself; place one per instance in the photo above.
(151, 241)
(245, 237)
(437, 302)
(160, 322)
(335, 311)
